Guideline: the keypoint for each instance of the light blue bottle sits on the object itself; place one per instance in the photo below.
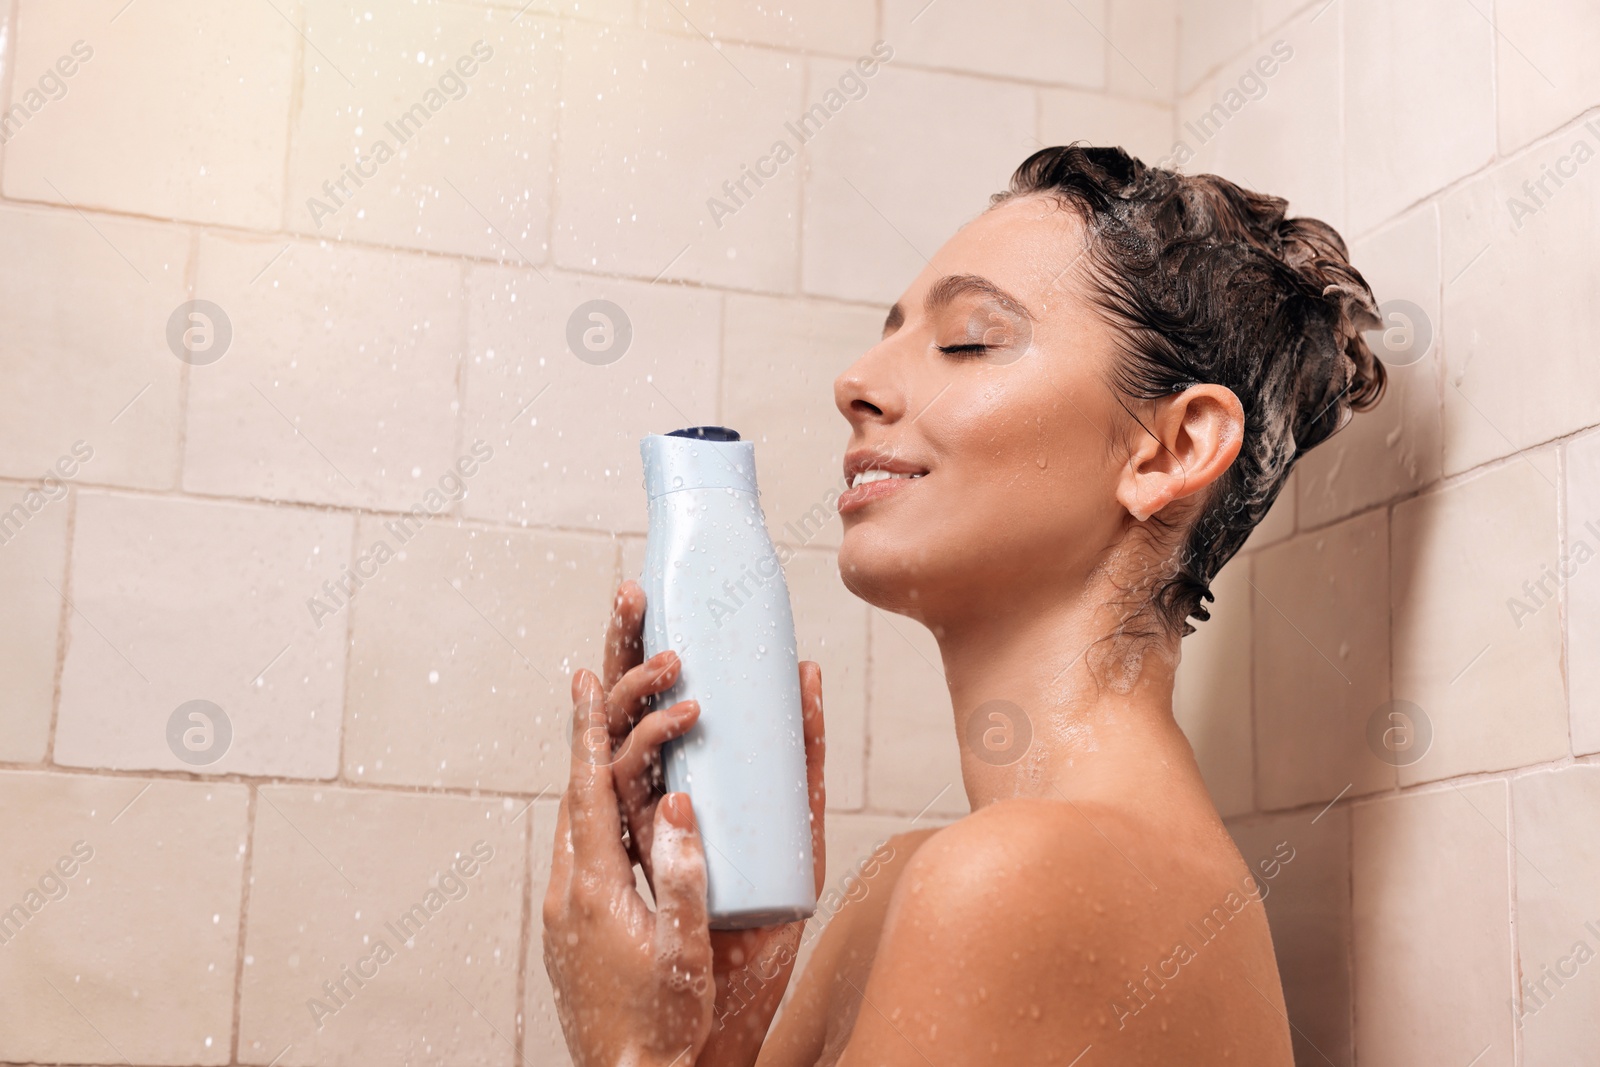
(715, 594)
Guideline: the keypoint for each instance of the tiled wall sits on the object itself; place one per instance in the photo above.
(1446, 902)
(399, 344)
(402, 344)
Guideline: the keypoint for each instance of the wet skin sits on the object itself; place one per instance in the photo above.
(1068, 911)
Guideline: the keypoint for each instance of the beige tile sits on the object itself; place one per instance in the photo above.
(1431, 928)
(1416, 119)
(1581, 546)
(447, 128)
(844, 27)
(1321, 656)
(1211, 32)
(179, 600)
(150, 908)
(1068, 115)
(653, 126)
(1519, 270)
(220, 79)
(1062, 44)
(566, 432)
(463, 650)
(1211, 695)
(831, 625)
(419, 896)
(105, 377)
(1279, 133)
(340, 384)
(33, 557)
(913, 761)
(1396, 448)
(1303, 860)
(1464, 650)
(633, 548)
(777, 390)
(1270, 14)
(1278, 523)
(602, 10)
(1558, 922)
(1545, 73)
(542, 1043)
(1142, 53)
(914, 184)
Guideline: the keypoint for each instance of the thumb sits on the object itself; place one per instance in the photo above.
(683, 936)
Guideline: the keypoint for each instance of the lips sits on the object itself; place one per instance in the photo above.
(874, 474)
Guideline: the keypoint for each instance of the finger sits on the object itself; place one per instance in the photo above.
(591, 800)
(630, 695)
(561, 853)
(813, 727)
(625, 633)
(633, 770)
(683, 933)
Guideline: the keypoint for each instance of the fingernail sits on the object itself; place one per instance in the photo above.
(678, 809)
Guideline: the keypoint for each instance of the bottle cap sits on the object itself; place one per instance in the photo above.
(700, 457)
(707, 433)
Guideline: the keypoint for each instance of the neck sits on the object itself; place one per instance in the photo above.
(1053, 699)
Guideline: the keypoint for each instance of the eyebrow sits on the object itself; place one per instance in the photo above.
(948, 288)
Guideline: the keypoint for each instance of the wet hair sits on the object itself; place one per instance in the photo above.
(1209, 282)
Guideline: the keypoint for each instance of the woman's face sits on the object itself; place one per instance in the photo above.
(991, 387)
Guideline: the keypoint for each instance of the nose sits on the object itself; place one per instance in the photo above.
(870, 390)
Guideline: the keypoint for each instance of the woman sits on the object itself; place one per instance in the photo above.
(1084, 404)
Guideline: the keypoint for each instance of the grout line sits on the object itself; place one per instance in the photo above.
(719, 398)
(1563, 589)
(550, 792)
(325, 509)
(351, 607)
(803, 182)
(1438, 485)
(525, 942)
(1515, 934)
(246, 876)
(63, 626)
(557, 120)
(241, 234)
(296, 102)
(8, 64)
(1434, 785)
(458, 508)
(191, 282)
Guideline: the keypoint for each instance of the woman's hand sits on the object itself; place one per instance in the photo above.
(632, 986)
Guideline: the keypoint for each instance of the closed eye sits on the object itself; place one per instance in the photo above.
(964, 350)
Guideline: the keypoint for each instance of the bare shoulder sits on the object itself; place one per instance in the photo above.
(1037, 925)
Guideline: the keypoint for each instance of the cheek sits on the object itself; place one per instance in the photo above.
(1024, 465)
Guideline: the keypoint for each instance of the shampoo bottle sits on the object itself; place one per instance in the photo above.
(715, 594)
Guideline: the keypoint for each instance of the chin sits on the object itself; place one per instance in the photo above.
(886, 571)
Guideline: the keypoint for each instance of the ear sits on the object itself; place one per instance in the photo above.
(1190, 439)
